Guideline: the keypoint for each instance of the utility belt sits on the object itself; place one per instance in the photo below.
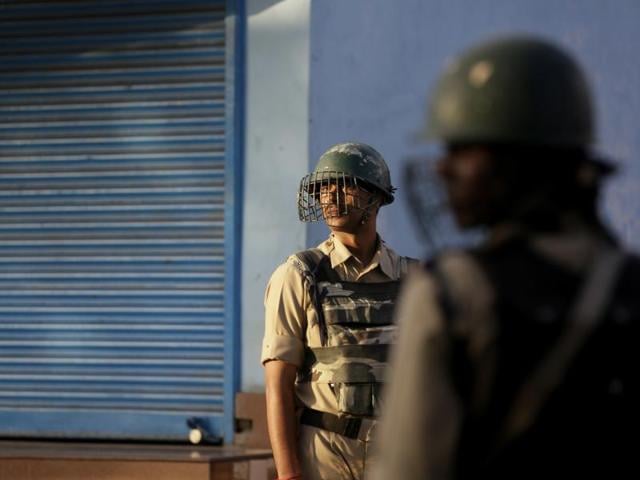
(357, 428)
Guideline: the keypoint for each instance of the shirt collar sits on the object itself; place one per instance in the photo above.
(383, 256)
(340, 254)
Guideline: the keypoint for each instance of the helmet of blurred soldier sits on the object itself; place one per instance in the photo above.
(516, 116)
(349, 163)
(517, 90)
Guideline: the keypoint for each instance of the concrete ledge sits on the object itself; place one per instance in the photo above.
(23, 460)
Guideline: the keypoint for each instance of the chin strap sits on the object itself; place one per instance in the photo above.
(366, 210)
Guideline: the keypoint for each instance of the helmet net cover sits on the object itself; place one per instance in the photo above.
(328, 194)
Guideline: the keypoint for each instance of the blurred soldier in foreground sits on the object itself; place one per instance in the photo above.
(519, 358)
(328, 322)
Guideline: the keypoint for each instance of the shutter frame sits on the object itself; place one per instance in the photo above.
(117, 226)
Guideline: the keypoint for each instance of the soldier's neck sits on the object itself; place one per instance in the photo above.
(362, 244)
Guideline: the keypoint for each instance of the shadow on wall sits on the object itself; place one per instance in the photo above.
(256, 6)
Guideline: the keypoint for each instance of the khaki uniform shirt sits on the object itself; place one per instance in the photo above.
(291, 322)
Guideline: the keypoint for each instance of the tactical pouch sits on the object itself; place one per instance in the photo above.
(358, 399)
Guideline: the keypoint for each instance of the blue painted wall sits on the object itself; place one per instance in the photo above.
(340, 70)
(372, 62)
(276, 149)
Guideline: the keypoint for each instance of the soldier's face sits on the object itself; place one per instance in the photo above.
(472, 185)
(342, 205)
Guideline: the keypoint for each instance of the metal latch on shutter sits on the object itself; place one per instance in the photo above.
(199, 433)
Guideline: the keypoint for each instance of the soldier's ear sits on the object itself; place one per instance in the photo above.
(379, 199)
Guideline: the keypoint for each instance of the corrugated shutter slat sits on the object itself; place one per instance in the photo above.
(112, 184)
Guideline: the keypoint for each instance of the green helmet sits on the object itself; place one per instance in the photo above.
(515, 90)
(350, 163)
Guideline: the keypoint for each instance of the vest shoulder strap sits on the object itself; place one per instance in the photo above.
(313, 265)
(587, 312)
(307, 261)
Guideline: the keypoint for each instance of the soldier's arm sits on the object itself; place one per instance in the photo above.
(281, 416)
(420, 418)
(282, 354)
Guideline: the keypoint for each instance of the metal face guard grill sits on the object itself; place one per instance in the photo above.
(425, 197)
(428, 205)
(327, 194)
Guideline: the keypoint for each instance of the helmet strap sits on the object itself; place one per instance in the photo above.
(367, 209)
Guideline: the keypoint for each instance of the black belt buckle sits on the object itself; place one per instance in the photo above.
(352, 427)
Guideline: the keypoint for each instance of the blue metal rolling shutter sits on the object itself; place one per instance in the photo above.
(112, 185)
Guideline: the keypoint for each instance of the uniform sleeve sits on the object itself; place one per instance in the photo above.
(285, 304)
(421, 415)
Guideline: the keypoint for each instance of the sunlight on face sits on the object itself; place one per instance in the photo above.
(338, 200)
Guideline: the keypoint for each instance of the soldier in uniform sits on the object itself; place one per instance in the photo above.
(329, 322)
(519, 357)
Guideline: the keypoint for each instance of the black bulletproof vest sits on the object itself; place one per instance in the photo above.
(583, 426)
(356, 324)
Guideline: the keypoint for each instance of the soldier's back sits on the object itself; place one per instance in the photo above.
(584, 424)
